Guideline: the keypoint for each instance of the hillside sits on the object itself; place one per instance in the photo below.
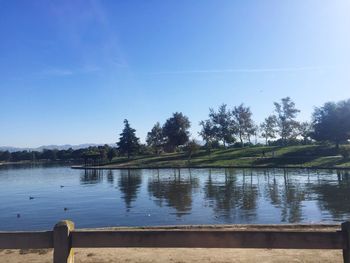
(290, 156)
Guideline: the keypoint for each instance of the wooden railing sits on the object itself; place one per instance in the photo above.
(64, 238)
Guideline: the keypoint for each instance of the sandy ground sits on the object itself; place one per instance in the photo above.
(178, 255)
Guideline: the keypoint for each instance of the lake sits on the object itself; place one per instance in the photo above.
(37, 197)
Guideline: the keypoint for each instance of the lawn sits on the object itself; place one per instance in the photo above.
(262, 156)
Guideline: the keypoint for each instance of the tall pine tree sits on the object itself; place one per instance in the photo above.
(128, 142)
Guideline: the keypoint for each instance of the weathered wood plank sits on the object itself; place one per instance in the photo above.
(63, 251)
(346, 232)
(26, 240)
(209, 239)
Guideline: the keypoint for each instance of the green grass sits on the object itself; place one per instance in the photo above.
(289, 156)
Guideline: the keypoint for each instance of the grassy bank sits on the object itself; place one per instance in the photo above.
(264, 156)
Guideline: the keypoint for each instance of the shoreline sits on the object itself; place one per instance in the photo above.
(319, 226)
(259, 157)
(116, 167)
(37, 162)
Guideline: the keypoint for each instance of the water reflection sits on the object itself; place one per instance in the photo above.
(231, 197)
(110, 177)
(129, 182)
(175, 190)
(286, 193)
(291, 197)
(235, 195)
(334, 197)
(91, 176)
(228, 195)
(272, 189)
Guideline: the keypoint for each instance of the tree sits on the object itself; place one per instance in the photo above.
(128, 142)
(222, 124)
(103, 150)
(305, 129)
(111, 153)
(5, 156)
(268, 128)
(207, 133)
(192, 147)
(286, 114)
(176, 131)
(253, 131)
(243, 122)
(48, 154)
(155, 138)
(331, 122)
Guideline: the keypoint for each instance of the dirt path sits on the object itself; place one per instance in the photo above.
(180, 255)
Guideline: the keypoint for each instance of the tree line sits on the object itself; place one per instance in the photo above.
(224, 127)
(104, 153)
(236, 127)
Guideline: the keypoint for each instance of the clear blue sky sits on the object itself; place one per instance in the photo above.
(71, 71)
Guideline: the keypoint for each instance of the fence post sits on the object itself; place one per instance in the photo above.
(63, 251)
(345, 227)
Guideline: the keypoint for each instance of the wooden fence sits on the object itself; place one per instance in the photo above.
(64, 238)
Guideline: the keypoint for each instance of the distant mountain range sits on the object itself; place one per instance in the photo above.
(51, 147)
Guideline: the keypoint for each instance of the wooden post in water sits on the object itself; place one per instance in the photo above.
(345, 227)
(63, 251)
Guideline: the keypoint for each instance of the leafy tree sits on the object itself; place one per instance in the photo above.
(331, 122)
(268, 128)
(47, 154)
(145, 149)
(192, 147)
(103, 150)
(305, 129)
(61, 154)
(111, 153)
(5, 156)
(175, 130)
(207, 133)
(128, 142)
(155, 138)
(243, 122)
(222, 124)
(252, 131)
(285, 115)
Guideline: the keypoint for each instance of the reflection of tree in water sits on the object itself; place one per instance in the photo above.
(287, 196)
(272, 190)
(232, 198)
(91, 176)
(249, 193)
(334, 198)
(129, 183)
(175, 190)
(110, 177)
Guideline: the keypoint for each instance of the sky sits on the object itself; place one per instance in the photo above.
(72, 71)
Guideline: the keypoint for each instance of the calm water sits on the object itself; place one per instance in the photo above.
(35, 198)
